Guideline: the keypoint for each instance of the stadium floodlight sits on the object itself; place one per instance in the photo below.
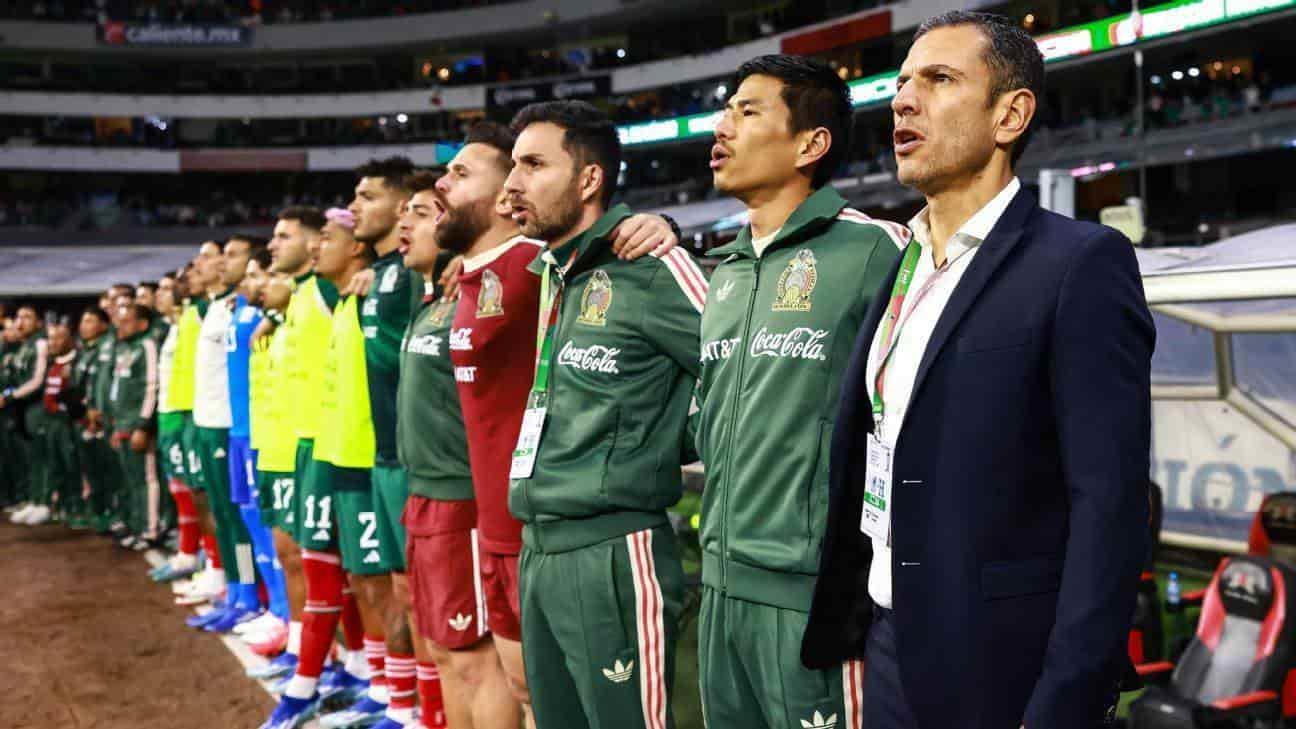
(1194, 72)
(1177, 75)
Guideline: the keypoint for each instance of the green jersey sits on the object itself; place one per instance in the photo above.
(432, 443)
(777, 335)
(624, 362)
(132, 396)
(100, 381)
(386, 314)
(27, 370)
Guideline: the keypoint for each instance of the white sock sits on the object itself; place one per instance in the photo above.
(379, 693)
(357, 665)
(404, 717)
(301, 687)
(294, 637)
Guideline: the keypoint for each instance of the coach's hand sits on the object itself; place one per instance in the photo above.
(449, 281)
(360, 284)
(139, 441)
(639, 235)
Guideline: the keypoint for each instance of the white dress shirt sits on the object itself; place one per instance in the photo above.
(918, 320)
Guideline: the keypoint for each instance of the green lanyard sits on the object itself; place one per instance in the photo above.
(899, 290)
(545, 328)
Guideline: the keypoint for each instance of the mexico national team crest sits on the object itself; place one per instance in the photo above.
(441, 310)
(796, 283)
(595, 299)
(490, 300)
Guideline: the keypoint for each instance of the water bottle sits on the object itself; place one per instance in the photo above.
(1172, 590)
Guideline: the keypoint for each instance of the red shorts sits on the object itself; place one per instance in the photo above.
(499, 574)
(444, 571)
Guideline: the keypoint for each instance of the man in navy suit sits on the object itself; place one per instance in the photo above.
(988, 511)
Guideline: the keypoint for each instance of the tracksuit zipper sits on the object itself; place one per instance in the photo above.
(729, 449)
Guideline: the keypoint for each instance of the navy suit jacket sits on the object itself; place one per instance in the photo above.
(1020, 485)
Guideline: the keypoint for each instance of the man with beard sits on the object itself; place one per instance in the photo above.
(494, 331)
(616, 371)
(441, 517)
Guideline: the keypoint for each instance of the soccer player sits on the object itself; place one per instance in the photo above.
(336, 481)
(243, 479)
(448, 613)
(61, 405)
(132, 408)
(380, 195)
(597, 461)
(103, 467)
(27, 378)
(170, 445)
(212, 421)
(780, 324)
(146, 295)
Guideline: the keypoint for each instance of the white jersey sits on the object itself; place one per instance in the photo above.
(211, 371)
(166, 358)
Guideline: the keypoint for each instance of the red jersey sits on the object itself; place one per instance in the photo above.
(58, 375)
(492, 345)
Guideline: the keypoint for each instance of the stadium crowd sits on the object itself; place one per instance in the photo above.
(441, 427)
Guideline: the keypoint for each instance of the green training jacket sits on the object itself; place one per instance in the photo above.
(132, 396)
(101, 378)
(776, 338)
(625, 362)
(396, 295)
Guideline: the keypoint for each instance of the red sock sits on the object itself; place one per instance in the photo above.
(323, 609)
(402, 681)
(375, 649)
(187, 516)
(429, 695)
(352, 627)
(213, 552)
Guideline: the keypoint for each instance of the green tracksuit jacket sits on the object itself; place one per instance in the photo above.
(101, 378)
(132, 396)
(776, 337)
(396, 295)
(625, 362)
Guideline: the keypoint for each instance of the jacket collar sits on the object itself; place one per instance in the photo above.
(823, 205)
(585, 246)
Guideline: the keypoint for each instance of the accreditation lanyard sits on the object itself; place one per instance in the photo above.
(896, 316)
(524, 455)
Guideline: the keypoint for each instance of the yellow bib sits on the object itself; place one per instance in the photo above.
(272, 418)
(346, 433)
(180, 390)
(308, 320)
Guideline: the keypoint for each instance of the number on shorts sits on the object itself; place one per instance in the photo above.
(283, 493)
(323, 522)
(177, 456)
(195, 465)
(370, 523)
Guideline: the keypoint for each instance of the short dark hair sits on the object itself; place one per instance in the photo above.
(261, 254)
(816, 97)
(498, 137)
(1013, 56)
(588, 136)
(97, 313)
(308, 216)
(150, 285)
(129, 287)
(422, 180)
(392, 170)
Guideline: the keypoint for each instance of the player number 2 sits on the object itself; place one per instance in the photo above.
(367, 540)
(323, 522)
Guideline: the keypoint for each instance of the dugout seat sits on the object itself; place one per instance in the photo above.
(1238, 669)
(1273, 534)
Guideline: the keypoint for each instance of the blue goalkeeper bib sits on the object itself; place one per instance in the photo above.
(238, 350)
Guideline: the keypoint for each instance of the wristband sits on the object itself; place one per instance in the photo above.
(674, 226)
